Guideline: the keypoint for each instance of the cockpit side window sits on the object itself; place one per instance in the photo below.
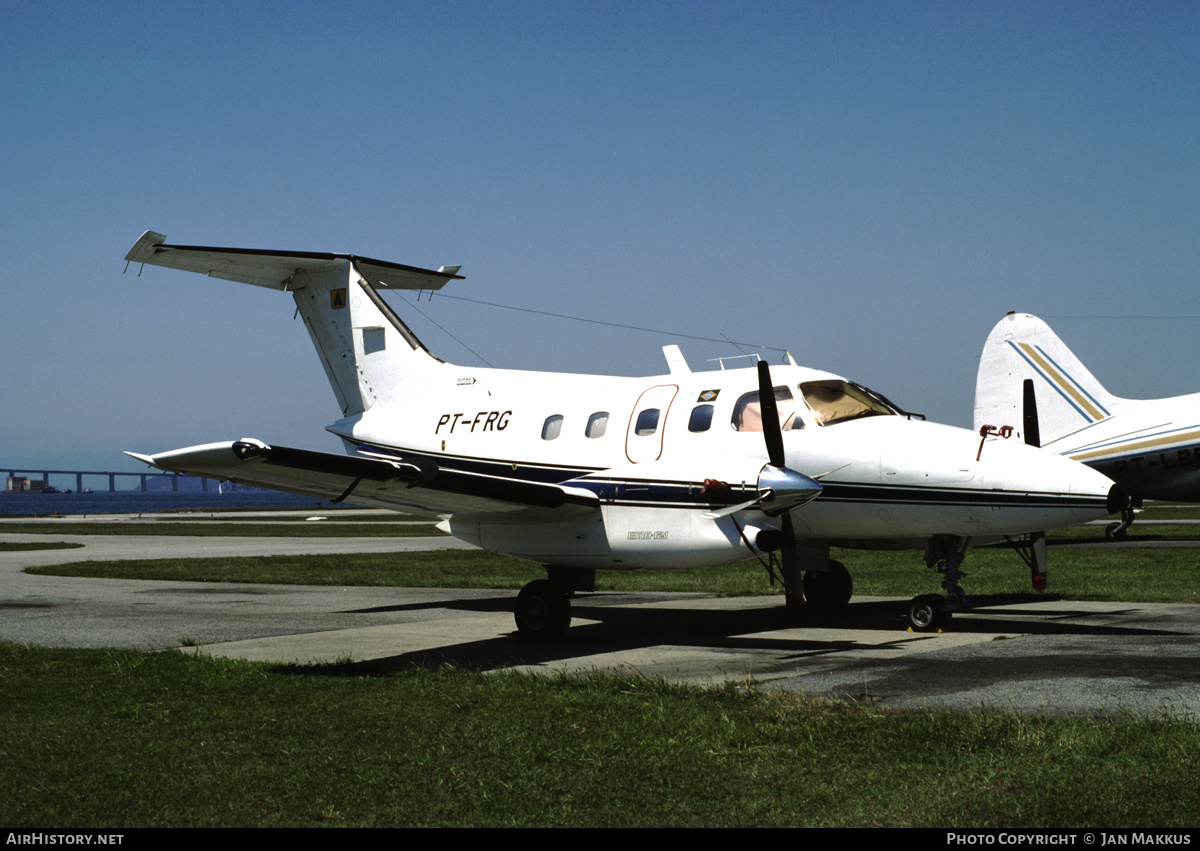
(834, 401)
(747, 413)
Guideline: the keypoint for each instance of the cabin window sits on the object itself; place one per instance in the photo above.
(647, 422)
(834, 401)
(701, 418)
(597, 424)
(552, 428)
(747, 413)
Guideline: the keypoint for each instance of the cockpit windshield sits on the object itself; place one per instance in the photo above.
(834, 401)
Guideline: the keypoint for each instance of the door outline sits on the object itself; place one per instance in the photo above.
(640, 449)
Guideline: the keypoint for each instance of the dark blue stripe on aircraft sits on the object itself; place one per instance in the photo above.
(681, 494)
(501, 468)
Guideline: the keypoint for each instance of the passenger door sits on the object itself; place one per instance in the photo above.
(644, 436)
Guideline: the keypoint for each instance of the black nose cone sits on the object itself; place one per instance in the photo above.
(1118, 500)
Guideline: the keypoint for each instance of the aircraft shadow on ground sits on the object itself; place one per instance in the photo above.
(613, 623)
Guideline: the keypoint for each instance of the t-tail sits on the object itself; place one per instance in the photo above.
(1030, 380)
(369, 355)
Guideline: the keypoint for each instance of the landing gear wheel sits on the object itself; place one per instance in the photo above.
(927, 613)
(829, 590)
(1115, 531)
(543, 611)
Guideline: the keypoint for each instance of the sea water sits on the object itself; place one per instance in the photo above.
(138, 502)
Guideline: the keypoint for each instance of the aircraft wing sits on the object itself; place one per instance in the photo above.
(274, 269)
(416, 484)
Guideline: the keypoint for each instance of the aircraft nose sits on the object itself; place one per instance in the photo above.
(1058, 490)
(1085, 481)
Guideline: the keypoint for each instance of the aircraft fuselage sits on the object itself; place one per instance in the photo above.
(889, 481)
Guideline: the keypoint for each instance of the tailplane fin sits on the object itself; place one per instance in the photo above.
(1023, 357)
(369, 354)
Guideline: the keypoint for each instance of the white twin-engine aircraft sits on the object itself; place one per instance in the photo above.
(1030, 379)
(583, 472)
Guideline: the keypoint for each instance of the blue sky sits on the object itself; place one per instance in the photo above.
(870, 185)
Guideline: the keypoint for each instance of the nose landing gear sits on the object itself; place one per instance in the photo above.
(1117, 531)
(931, 612)
(927, 613)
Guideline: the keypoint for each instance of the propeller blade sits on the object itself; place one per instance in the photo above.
(820, 476)
(789, 565)
(779, 488)
(772, 432)
(798, 488)
(731, 509)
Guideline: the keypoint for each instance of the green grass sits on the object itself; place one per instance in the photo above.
(1140, 530)
(127, 739)
(1143, 526)
(19, 547)
(1079, 574)
(1169, 511)
(1088, 573)
(439, 568)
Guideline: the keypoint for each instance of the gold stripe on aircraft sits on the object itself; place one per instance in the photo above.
(1061, 380)
(1136, 446)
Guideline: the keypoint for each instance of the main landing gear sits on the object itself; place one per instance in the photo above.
(812, 581)
(932, 612)
(829, 590)
(543, 612)
(543, 608)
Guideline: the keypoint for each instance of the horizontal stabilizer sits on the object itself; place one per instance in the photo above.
(412, 484)
(275, 269)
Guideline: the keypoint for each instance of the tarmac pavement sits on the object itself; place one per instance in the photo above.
(1021, 654)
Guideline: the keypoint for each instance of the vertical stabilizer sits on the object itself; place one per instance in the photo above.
(368, 353)
(1020, 349)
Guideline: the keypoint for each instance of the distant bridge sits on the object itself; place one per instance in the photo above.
(45, 475)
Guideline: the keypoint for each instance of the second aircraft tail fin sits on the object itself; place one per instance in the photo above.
(1023, 356)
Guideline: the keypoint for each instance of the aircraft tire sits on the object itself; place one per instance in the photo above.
(927, 613)
(543, 611)
(830, 590)
(1114, 532)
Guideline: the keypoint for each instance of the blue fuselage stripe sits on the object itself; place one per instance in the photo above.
(684, 494)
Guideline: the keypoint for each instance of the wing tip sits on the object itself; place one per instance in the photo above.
(145, 247)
